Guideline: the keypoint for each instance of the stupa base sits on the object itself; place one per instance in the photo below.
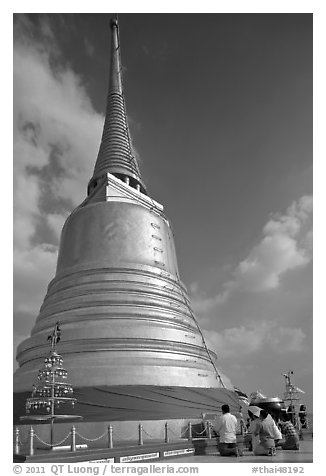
(133, 414)
(135, 403)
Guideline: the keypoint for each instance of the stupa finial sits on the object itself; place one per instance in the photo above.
(116, 154)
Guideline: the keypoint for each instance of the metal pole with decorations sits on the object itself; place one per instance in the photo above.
(293, 401)
(52, 393)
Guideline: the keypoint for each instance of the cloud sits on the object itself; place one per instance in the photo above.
(243, 320)
(285, 245)
(33, 269)
(203, 304)
(52, 112)
(237, 342)
(56, 221)
(272, 258)
(56, 139)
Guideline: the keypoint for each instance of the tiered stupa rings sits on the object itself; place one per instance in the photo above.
(117, 294)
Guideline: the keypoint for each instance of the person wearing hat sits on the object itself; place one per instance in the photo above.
(254, 414)
(265, 429)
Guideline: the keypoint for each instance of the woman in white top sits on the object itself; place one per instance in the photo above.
(254, 413)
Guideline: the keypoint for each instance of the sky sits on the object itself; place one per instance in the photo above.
(220, 113)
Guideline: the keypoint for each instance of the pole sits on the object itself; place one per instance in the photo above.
(52, 431)
(31, 441)
(166, 438)
(189, 431)
(140, 431)
(52, 408)
(291, 401)
(110, 436)
(73, 439)
(17, 448)
(291, 396)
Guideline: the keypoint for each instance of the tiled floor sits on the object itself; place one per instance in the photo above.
(304, 455)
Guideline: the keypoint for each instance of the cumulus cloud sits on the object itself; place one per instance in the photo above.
(285, 245)
(33, 269)
(52, 112)
(56, 221)
(203, 304)
(258, 325)
(244, 340)
(56, 138)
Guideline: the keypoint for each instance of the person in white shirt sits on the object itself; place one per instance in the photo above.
(226, 427)
(254, 413)
(265, 429)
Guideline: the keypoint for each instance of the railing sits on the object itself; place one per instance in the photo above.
(188, 433)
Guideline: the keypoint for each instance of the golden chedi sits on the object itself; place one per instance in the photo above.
(128, 330)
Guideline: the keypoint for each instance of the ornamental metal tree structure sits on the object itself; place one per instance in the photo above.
(51, 392)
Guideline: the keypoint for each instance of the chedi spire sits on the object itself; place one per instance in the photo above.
(116, 153)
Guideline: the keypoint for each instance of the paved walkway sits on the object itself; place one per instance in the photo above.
(304, 455)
